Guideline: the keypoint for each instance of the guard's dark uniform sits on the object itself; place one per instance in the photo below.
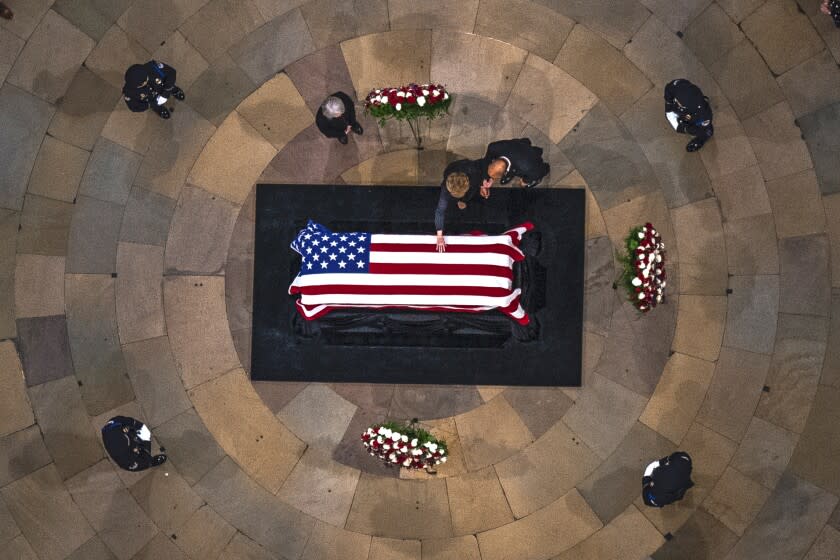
(834, 10)
(149, 86)
(669, 481)
(121, 436)
(336, 127)
(693, 112)
(525, 160)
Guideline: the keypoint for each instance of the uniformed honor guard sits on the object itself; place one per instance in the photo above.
(832, 8)
(519, 159)
(129, 443)
(149, 86)
(688, 111)
(337, 117)
(667, 480)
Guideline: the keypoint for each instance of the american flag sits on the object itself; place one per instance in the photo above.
(360, 269)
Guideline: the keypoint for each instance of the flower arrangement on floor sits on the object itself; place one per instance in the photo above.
(643, 274)
(404, 445)
(409, 103)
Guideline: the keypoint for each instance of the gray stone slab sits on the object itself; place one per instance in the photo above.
(44, 226)
(94, 17)
(9, 222)
(152, 22)
(51, 56)
(18, 549)
(146, 218)
(599, 275)
(21, 453)
(430, 401)
(235, 496)
(204, 535)
(745, 79)
(616, 483)
(189, 445)
(764, 452)
(794, 371)
(10, 47)
(676, 15)
(350, 453)
(527, 25)
(822, 87)
(277, 394)
(58, 170)
(166, 498)
(46, 514)
(538, 407)
(751, 313)
(319, 74)
(94, 231)
(610, 161)
(84, 108)
(818, 130)
(219, 89)
(269, 49)
(831, 364)
(740, 9)
(793, 38)
(200, 233)
(807, 294)
(332, 21)
(72, 442)
(702, 537)
(27, 16)
(25, 119)
(115, 52)
(777, 141)
(16, 412)
(814, 457)
(219, 25)
(751, 245)
(239, 274)
(155, 379)
(8, 527)
(94, 549)
(94, 342)
(241, 547)
(712, 34)
(110, 172)
(788, 523)
(616, 22)
(160, 547)
(139, 292)
(44, 349)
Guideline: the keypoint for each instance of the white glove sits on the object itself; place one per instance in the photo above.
(650, 468)
(673, 119)
(161, 100)
(144, 433)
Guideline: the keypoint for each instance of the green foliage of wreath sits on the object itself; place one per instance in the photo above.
(412, 431)
(409, 111)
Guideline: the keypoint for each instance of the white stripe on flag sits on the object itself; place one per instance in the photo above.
(408, 299)
(370, 279)
(450, 239)
(496, 259)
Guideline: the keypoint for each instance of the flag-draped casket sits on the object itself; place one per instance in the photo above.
(375, 270)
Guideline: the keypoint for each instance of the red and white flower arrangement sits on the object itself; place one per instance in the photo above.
(644, 275)
(404, 446)
(408, 102)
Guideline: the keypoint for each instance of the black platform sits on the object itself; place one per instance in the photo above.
(416, 347)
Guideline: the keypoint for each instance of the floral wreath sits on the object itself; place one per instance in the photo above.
(408, 102)
(643, 275)
(404, 445)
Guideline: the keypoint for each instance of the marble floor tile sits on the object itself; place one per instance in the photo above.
(219, 89)
(736, 500)
(795, 39)
(823, 87)
(630, 535)
(204, 534)
(702, 537)
(318, 416)
(427, 402)
(94, 231)
(113, 54)
(712, 34)
(807, 294)
(617, 23)
(219, 25)
(21, 453)
(178, 53)
(817, 128)
(764, 452)
(751, 314)
(700, 325)
(159, 547)
(9, 224)
(320, 487)
(241, 547)
(153, 21)
(405, 14)
(84, 109)
(334, 543)
(93, 17)
(146, 218)
(825, 546)
(831, 372)
(277, 111)
(39, 286)
(166, 498)
(778, 142)
(110, 172)
(477, 502)
(139, 292)
(751, 245)
(44, 349)
(796, 204)
(746, 81)
(702, 252)
(818, 443)
(320, 74)
(44, 226)
(394, 549)
(491, 433)
(374, 397)
(154, 377)
(540, 408)
(58, 170)
(349, 451)
(189, 445)
(95, 549)
(332, 21)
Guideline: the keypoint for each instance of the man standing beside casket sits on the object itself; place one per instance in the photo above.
(518, 158)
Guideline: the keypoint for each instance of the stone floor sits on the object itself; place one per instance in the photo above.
(126, 247)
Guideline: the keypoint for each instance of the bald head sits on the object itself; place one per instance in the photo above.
(497, 169)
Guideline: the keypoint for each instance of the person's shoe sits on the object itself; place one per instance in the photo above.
(164, 113)
(357, 128)
(178, 93)
(158, 460)
(532, 184)
(5, 12)
(343, 139)
(505, 180)
(693, 146)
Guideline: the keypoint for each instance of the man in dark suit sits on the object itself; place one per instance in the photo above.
(666, 481)
(689, 112)
(520, 159)
(149, 86)
(337, 117)
(129, 443)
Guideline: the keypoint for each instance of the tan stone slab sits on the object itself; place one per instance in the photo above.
(219, 25)
(196, 321)
(178, 53)
(189, 446)
(205, 534)
(51, 56)
(436, 14)
(391, 168)
(545, 470)
(811, 85)
(18, 549)
(491, 433)
(115, 52)
(603, 413)
(166, 498)
(777, 142)
(15, 412)
(10, 47)
(746, 81)
(246, 429)
(457, 548)
(39, 286)
(111, 511)
(702, 254)
(734, 392)
(602, 69)
(796, 204)
(232, 160)
(526, 24)
(318, 416)
(169, 159)
(9, 223)
(394, 549)
(21, 453)
(44, 226)
(388, 59)
(477, 123)
(241, 547)
(764, 452)
(825, 546)
(751, 245)
(10, 530)
(139, 292)
(273, 8)
(728, 152)
(739, 9)
(700, 322)
(321, 487)
(831, 370)
(159, 547)
(333, 21)
(638, 210)
(752, 312)
(152, 22)
(537, 98)
(542, 534)
(58, 170)
(333, 543)
(46, 514)
(678, 396)
(712, 34)
(155, 379)
(477, 502)
(716, 452)
(793, 39)
(831, 204)
(400, 509)
(84, 109)
(814, 457)
(460, 61)
(736, 500)
(277, 111)
(136, 131)
(630, 535)
(742, 193)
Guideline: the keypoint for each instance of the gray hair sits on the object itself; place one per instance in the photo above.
(332, 107)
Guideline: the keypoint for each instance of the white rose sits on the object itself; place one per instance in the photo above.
(398, 106)
(414, 442)
(663, 283)
(636, 282)
(658, 258)
(385, 99)
(445, 96)
(425, 92)
(400, 94)
(641, 235)
(381, 430)
(642, 295)
(435, 92)
(395, 436)
(407, 462)
(658, 298)
(433, 447)
(386, 447)
(379, 439)
(442, 460)
(416, 452)
(421, 101)
(404, 438)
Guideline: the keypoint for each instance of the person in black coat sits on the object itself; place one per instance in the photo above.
(689, 112)
(337, 117)
(521, 160)
(129, 443)
(832, 8)
(462, 179)
(149, 86)
(666, 481)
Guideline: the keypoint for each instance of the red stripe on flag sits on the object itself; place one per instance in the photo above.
(442, 269)
(404, 290)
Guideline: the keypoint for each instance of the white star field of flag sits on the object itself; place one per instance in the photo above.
(325, 252)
